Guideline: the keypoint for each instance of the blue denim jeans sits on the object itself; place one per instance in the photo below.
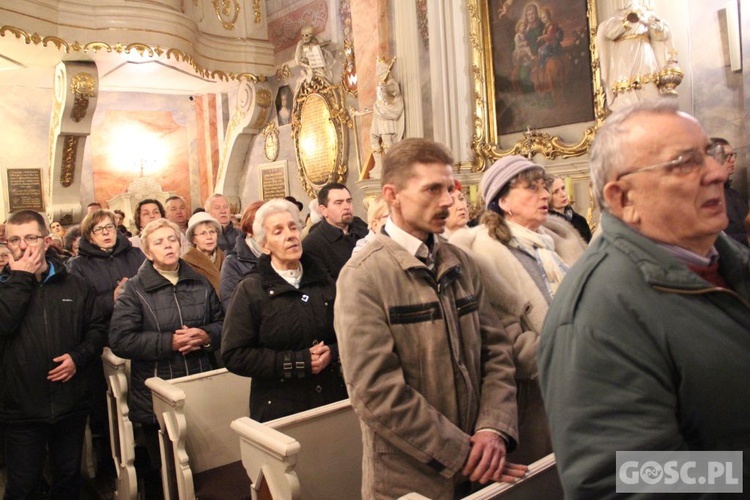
(26, 446)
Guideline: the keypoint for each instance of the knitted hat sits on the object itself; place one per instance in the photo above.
(501, 173)
(197, 219)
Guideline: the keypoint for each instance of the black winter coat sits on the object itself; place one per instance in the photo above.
(269, 330)
(41, 321)
(146, 315)
(104, 269)
(331, 247)
(238, 264)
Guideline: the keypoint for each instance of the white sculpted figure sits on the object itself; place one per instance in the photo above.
(637, 55)
(388, 117)
(312, 55)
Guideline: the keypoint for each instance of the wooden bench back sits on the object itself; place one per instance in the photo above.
(121, 437)
(195, 413)
(310, 455)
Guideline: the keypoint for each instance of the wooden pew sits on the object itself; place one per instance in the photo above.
(541, 482)
(313, 454)
(121, 438)
(199, 453)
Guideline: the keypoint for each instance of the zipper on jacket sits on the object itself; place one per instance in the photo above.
(715, 289)
(182, 322)
(49, 347)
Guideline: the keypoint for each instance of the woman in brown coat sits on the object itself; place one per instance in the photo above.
(205, 256)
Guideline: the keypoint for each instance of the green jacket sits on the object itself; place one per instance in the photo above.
(640, 353)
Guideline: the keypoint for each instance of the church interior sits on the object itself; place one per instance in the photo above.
(118, 101)
(184, 96)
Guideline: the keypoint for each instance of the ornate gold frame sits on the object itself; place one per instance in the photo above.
(485, 141)
(340, 120)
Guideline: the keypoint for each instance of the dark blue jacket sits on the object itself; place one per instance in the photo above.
(237, 266)
(146, 315)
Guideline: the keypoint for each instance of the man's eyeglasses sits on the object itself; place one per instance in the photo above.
(100, 229)
(30, 239)
(729, 156)
(687, 163)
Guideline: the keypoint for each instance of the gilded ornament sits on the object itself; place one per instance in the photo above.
(283, 72)
(271, 144)
(83, 88)
(256, 10)
(227, 11)
(70, 151)
(318, 130)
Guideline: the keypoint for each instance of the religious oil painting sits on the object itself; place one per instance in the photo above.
(541, 62)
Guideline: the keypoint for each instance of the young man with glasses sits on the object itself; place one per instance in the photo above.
(52, 331)
(645, 345)
(736, 206)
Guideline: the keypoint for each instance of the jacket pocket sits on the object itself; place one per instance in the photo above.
(466, 305)
(417, 313)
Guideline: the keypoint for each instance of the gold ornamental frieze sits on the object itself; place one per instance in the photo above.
(142, 49)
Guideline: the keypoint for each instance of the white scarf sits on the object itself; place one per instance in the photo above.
(542, 247)
(253, 246)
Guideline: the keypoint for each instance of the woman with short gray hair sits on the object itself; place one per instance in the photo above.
(279, 324)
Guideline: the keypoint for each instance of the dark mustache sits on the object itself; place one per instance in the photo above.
(444, 213)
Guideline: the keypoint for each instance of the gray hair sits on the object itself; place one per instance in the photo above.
(609, 152)
(273, 207)
(213, 197)
(155, 225)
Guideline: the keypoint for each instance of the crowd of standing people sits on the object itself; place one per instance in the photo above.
(468, 349)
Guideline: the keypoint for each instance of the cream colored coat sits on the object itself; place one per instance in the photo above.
(511, 289)
(522, 307)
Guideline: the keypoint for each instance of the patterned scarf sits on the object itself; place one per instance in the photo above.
(542, 247)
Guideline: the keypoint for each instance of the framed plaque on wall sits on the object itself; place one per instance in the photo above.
(273, 180)
(24, 189)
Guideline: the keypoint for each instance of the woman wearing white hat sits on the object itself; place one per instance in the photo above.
(205, 256)
(526, 255)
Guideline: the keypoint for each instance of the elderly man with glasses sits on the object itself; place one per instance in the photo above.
(646, 345)
(51, 333)
(736, 206)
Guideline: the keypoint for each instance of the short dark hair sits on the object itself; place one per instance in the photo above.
(26, 216)
(71, 234)
(94, 204)
(137, 214)
(91, 220)
(323, 193)
(399, 161)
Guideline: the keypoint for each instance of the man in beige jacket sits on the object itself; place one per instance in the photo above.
(428, 365)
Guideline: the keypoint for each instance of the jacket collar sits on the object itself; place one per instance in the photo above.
(659, 268)
(152, 280)
(447, 265)
(122, 245)
(329, 231)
